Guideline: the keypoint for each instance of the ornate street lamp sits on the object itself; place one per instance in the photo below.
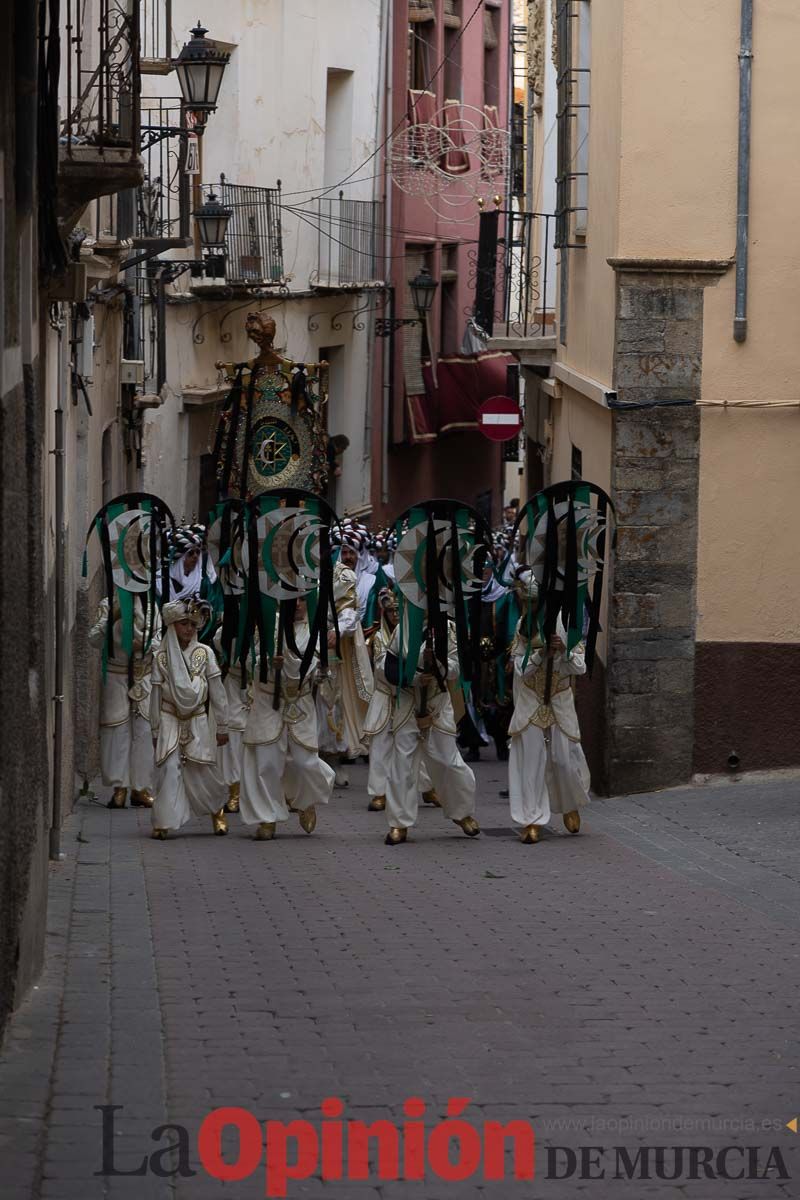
(423, 289)
(212, 223)
(200, 67)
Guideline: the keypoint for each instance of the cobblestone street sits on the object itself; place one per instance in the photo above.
(634, 986)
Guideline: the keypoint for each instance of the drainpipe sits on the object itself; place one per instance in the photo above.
(743, 182)
(58, 682)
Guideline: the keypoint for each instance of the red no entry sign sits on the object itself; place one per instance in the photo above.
(500, 418)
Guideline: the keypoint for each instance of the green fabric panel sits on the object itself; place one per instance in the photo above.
(371, 614)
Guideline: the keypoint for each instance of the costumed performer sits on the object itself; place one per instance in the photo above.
(189, 720)
(547, 770)
(281, 743)
(229, 756)
(126, 751)
(344, 693)
(423, 728)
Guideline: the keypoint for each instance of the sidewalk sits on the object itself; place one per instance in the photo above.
(633, 986)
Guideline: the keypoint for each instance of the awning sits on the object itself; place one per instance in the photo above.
(465, 381)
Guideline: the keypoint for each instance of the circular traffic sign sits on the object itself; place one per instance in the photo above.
(500, 418)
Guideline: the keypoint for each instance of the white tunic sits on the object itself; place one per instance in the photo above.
(187, 710)
(547, 769)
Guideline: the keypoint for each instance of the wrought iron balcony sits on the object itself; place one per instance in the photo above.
(100, 134)
(350, 244)
(514, 275)
(253, 240)
(163, 201)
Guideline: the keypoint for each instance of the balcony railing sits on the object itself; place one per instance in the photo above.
(155, 24)
(515, 280)
(103, 78)
(253, 241)
(350, 243)
(528, 276)
(163, 200)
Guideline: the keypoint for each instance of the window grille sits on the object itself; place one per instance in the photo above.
(572, 124)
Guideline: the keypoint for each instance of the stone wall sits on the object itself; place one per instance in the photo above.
(651, 624)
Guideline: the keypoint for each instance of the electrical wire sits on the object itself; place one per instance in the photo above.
(303, 216)
(325, 191)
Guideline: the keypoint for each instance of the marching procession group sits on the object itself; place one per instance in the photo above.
(186, 730)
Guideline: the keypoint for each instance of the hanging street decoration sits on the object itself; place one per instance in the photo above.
(451, 156)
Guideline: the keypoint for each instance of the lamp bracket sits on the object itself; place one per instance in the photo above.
(386, 326)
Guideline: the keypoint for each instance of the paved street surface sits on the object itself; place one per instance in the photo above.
(634, 986)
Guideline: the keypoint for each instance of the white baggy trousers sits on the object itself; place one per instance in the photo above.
(185, 791)
(451, 777)
(126, 754)
(262, 797)
(545, 778)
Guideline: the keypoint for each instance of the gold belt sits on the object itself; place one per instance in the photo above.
(141, 667)
(166, 706)
(288, 691)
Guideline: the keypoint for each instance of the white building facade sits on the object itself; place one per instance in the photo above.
(299, 119)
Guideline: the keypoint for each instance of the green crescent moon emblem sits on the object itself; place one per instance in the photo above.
(273, 448)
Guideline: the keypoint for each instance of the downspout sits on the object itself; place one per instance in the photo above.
(743, 182)
(388, 351)
(58, 681)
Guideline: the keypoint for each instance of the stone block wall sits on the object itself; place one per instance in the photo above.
(655, 476)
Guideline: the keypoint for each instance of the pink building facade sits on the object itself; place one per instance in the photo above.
(448, 58)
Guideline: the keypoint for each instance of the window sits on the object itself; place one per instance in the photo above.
(452, 51)
(577, 463)
(491, 57)
(422, 59)
(338, 126)
(573, 54)
(448, 297)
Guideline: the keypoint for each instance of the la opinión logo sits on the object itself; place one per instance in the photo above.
(453, 1150)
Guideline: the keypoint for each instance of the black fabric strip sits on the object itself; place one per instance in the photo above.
(234, 406)
(248, 426)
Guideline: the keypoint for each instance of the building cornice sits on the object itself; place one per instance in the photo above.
(672, 266)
